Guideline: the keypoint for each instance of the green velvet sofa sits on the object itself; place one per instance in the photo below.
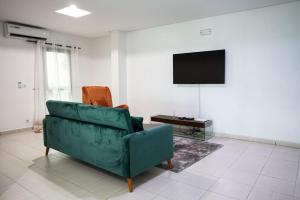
(108, 138)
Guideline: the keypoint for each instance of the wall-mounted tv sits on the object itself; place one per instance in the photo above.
(207, 67)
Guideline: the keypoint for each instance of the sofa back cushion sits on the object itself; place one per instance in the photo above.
(114, 117)
(63, 109)
(111, 117)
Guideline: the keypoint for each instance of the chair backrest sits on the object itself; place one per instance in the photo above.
(96, 95)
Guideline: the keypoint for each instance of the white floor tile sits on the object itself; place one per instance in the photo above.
(275, 185)
(259, 149)
(11, 166)
(231, 189)
(214, 196)
(155, 185)
(286, 153)
(35, 198)
(82, 195)
(173, 175)
(160, 198)
(242, 177)
(262, 194)
(233, 151)
(178, 191)
(213, 165)
(138, 194)
(54, 187)
(78, 173)
(202, 182)
(282, 169)
(26, 174)
(5, 181)
(16, 192)
(250, 163)
(20, 150)
(104, 188)
(297, 188)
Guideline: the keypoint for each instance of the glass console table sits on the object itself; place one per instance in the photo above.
(202, 130)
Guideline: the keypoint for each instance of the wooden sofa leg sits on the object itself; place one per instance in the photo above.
(47, 151)
(170, 166)
(129, 182)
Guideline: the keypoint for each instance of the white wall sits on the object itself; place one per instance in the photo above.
(101, 49)
(118, 67)
(17, 64)
(109, 61)
(261, 97)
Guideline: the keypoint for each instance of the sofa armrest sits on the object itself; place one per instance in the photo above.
(148, 148)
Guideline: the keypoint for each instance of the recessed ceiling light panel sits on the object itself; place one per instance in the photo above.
(73, 11)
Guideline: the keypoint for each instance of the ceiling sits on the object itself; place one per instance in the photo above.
(124, 15)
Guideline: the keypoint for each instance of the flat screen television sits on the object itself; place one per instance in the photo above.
(207, 67)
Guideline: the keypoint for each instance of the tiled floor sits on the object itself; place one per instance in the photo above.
(239, 170)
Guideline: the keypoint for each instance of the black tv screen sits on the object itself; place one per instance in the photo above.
(207, 67)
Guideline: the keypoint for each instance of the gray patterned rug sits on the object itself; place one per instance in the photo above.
(187, 151)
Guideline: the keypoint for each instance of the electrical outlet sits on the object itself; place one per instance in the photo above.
(19, 84)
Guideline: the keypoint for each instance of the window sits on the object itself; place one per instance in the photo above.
(58, 74)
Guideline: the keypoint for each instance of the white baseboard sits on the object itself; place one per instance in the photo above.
(253, 139)
(288, 144)
(260, 140)
(16, 131)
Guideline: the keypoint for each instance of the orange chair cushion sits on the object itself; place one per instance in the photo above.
(96, 95)
(124, 106)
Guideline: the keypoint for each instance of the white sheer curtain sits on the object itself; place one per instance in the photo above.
(76, 89)
(39, 95)
(58, 73)
(55, 74)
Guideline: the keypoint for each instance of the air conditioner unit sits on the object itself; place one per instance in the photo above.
(22, 31)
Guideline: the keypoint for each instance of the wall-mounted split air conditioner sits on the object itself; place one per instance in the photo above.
(21, 31)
